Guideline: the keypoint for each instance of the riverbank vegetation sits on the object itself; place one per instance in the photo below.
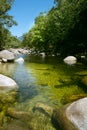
(6, 21)
(61, 30)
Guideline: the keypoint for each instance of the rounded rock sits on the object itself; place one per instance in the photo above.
(7, 83)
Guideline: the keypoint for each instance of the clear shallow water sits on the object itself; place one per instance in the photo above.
(45, 80)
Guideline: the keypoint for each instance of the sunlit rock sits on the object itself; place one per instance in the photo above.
(5, 54)
(77, 114)
(7, 83)
(14, 51)
(70, 60)
(72, 116)
(4, 60)
(19, 60)
(23, 51)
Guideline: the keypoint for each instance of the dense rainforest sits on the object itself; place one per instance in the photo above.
(6, 21)
(61, 30)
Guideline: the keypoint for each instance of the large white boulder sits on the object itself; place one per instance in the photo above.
(5, 54)
(77, 113)
(7, 83)
(72, 116)
(70, 60)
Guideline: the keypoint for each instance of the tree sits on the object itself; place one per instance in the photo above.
(34, 38)
(5, 20)
(61, 30)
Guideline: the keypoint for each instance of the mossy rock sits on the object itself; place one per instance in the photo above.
(16, 125)
(43, 108)
(8, 98)
(30, 120)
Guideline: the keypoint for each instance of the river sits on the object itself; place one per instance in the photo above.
(45, 80)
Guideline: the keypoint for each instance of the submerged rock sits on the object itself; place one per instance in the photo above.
(84, 80)
(70, 60)
(47, 110)
(19, 114)
(18, 120)
(16, 125)
(7, 95)
(6, 100)
(31, 120)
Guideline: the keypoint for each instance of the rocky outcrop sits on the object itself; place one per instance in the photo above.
(7, 83)
(23, 51)
(70, 60)
(6, 55)
(14, 51)
(19, 51)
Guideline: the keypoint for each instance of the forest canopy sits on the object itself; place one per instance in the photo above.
(61, 30)
(6, 21)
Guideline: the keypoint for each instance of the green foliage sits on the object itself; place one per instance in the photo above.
(61, 30)
(13, 42)
(34, 38)
(5, 21)
(4, 37)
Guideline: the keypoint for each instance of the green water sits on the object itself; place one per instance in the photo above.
(45, 80)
